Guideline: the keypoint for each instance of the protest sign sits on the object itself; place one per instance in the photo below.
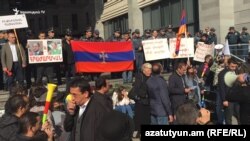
(155, 49)
(13, 22)
(186, 48)
(202, 50)
(45, 51)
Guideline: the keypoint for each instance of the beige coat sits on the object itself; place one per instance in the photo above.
(7, 58)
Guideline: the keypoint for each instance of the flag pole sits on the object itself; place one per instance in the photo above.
(18, 44)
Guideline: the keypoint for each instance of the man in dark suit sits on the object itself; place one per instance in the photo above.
(160, 106)
(84, 113)
(102, 87)
(229, 107)
(177, 87)
(13, 60)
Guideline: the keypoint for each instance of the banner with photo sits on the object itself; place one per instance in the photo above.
(45, 51)
(186, 48)
(202, 50)
(155, 49)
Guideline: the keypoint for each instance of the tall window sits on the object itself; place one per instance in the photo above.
(32, 24)
(87, 19)
(40, 24)
(120, 23)
(73, 1)
(51, 2)
(55, 21)
(74, 22)
(168, 12)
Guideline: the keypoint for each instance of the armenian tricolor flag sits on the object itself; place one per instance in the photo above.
(182, 29)
(103, 56)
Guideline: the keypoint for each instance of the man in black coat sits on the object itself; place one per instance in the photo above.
(17, 105)
(84, 113)
(241, 94)
(160, 106)
(102, 87)
(224, 90)
(68, 57)
(177, 87)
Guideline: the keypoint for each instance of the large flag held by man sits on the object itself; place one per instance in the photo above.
(103, 56)
(182, 30)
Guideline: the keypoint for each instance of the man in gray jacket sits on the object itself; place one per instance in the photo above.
(13, 60)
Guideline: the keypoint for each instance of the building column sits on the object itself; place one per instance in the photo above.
(135, 20)
(218, 14)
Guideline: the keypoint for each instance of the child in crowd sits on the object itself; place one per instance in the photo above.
(121, 102)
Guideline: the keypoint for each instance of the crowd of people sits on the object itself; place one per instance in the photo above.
(16, 67)
(152, 99)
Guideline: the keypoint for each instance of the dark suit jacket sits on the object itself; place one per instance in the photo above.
(7, 58)
(104, 100)
(241, 95)
(176, 90)
(92, 116)
(223, 88)
(159, 97)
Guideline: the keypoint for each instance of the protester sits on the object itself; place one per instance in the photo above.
(13, 59)
(139, 93)
(44, 68)
(3, 41)
(101, 94)
(55, 50)
(189, 114)
(122, 103)
(84, 113)
(240, 93)
(192, 81)
(205, 74)
(160, 105)
(229, 107)
(17, 106)
(29, 126)
(177, 87)
(115, 126)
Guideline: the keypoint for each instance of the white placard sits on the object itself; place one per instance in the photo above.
(202, 50)
(186, 48)
(155, 49)
(45, 51)
(13, 22)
